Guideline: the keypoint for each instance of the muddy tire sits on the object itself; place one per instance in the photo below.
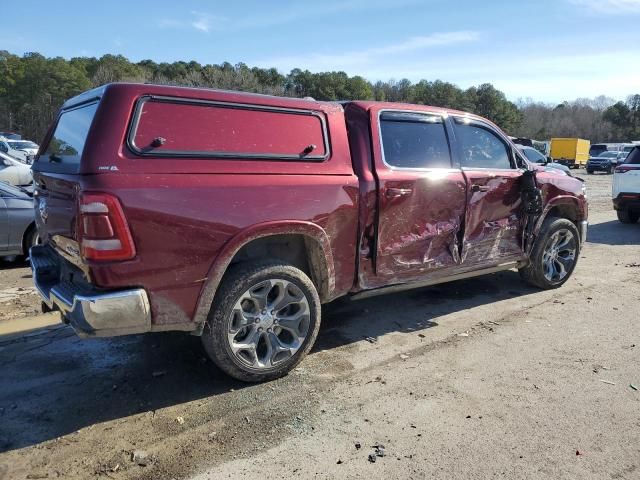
(627, 216)
(554, 254)
(264, 320)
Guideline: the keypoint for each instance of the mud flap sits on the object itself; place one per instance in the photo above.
(532, 206)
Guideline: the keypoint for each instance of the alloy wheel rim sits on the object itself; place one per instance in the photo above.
(268, 324)
(559, 255)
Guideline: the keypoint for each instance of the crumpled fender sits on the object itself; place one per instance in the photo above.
(561, 200)
(261, 230)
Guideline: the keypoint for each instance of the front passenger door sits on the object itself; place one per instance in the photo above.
(493, 230)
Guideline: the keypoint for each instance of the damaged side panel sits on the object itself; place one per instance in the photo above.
(420, 222)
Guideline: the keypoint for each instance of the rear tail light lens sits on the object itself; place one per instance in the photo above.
(623, 168)
(104, 232)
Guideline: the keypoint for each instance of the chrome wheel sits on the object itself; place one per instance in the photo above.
(559, 255)
(268, 324)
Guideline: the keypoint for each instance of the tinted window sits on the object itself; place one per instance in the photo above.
(481, 148)
(634, 156)
(67, 142)
(414, 140)
(224, 130)
(533, 155)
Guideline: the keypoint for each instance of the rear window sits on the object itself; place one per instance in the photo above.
(173, 127)
(633, 157)
(68, 139)
(412, 140)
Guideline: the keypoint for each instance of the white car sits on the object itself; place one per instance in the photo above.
(626, 188)
(23, 150)
(14, 172)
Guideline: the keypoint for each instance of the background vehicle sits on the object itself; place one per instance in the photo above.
(23, 150)
(626, 188)
(14, 172)
(11, 135)
(534, 156)
(17, 224)
(597, 148)
(235, 216)
(572, 152)
(605, 162)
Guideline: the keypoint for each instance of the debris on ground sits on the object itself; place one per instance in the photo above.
(578, 453)
(140, 457)
(180, 420)
(372, 458)
(378, 450)
(464, 334)
(358, 445)
(632, 265)
(633, 386)
(404, 356)
(607, 382)
(371, 339)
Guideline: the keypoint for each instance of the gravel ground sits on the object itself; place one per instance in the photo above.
(474, 379)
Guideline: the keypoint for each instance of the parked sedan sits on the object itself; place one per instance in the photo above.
(14, 172)
(18, 231)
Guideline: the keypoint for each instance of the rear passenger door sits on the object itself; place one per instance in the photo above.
(493, 222)
(421, 197)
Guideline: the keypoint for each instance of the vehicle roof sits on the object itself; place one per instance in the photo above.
(236, 96)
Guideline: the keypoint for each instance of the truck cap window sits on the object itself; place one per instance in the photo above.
(480, 147)
(193, 128)
(414, 140)
(67, 142)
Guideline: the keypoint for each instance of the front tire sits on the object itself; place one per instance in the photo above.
(627, 216)
(554, 254)
(264, 320)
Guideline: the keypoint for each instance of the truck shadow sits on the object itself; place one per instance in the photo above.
(54, 383)
(614, 233)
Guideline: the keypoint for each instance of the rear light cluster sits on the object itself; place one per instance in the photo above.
(104, 233)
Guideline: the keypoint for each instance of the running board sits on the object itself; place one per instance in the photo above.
(434, 281)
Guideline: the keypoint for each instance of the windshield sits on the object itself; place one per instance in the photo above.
(633, 157)
(609, 154)
(21, 145)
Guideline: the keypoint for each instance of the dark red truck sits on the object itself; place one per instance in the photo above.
(235, 216)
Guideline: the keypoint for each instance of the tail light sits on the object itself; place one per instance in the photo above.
(623, 168)
(104, 233)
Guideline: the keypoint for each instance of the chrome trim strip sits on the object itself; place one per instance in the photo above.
(433, 281)
(583, 226)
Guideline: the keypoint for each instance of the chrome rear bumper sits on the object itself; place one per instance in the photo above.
(91, 313)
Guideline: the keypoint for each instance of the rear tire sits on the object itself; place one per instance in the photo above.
(590, 172)
(554, 254)
(245, 334)
(627, 216)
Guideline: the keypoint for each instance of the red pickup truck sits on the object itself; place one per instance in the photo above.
(234, 216)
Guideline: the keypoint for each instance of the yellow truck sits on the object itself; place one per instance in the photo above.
(572, 152)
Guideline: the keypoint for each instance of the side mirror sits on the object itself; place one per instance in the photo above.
(549, 159)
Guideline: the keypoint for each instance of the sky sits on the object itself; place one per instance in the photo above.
(546, 50)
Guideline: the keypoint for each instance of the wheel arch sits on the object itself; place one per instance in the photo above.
(25, 237)
(303, 244)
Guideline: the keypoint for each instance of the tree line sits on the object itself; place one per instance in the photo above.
(32, 88)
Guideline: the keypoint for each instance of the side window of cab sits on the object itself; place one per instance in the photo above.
(480, 147)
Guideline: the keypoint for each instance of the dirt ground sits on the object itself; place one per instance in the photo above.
(484, 378)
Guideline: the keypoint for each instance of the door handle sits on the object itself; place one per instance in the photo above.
(398, 192)
(479, 188)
